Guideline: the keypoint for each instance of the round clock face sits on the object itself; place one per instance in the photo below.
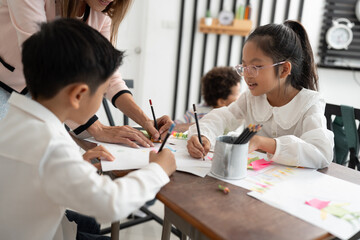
(339, 37)
(226, 17)
(357, 10)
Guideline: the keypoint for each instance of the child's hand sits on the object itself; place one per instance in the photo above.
(254, 143)
(165, 159)
(98, 152)
(195, 148)
(264, 144)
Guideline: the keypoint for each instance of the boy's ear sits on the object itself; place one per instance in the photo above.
(221, 102)
(285, 70)
(77, 92)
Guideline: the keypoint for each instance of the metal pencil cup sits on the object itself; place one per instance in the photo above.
(230, 160)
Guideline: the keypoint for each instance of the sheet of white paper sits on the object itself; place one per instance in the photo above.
(132, 158)
(291, 195)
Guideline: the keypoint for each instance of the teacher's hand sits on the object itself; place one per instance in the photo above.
(163, 123)
(119, 134)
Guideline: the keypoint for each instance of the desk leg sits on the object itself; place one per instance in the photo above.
(187, 230)
(183, 236)
(115, 230)
(166, 229)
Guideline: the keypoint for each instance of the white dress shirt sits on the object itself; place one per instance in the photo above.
(299, 127)
(42, 172)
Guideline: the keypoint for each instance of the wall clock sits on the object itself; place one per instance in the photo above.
(339, 36)
(226, 17)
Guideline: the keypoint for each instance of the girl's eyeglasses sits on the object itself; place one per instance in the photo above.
(251, 70)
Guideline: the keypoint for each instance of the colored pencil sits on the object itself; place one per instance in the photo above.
(242, 136)
(247, 134)
(167, 136)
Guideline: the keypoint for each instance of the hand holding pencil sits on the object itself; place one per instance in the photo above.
(159, 126)
(195, 149)
(165, 159)
(198, 148)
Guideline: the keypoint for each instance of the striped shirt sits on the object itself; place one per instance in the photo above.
(189, 117)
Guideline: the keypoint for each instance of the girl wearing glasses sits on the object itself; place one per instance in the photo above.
(279, 69)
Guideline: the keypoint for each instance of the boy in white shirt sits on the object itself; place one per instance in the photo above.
(42, 171)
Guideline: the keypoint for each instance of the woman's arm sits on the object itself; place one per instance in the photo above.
(127, 105)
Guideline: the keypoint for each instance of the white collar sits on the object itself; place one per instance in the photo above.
(35, 109)
(285, 116)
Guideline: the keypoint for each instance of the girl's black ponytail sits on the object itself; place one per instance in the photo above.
(308, 73)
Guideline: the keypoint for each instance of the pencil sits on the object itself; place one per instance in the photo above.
(153, 113)
(167, 136)
(242, 136)
(257, 128)
(247, 134)
(197, 126)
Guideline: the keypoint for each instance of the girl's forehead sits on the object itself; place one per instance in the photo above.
(253, 53)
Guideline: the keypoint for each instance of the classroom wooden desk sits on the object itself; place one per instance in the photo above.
(197, 208)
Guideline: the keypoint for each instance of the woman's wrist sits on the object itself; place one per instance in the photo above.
(96, 128)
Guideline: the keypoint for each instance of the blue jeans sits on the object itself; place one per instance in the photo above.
(87, 227)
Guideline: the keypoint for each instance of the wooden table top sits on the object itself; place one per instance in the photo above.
(237, 215)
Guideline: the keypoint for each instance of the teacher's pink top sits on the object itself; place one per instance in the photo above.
(18, 21)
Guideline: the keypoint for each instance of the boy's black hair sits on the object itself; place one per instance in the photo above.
(67, 51)
(289, 42)
(217, 83)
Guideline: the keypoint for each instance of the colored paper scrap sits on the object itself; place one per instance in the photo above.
(336, 210)
(250, 160)
(260, 164)
(316, 203)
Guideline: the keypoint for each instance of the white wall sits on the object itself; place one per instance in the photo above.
(159, 38)
(337, 86)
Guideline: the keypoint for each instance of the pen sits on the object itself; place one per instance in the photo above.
(167, 136)
(197, 126)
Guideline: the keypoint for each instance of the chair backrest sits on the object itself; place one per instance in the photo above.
(130, 84)
(335, 110)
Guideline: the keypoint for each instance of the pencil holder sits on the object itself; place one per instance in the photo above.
(230, 160)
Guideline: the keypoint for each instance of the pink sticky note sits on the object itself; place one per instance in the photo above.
(262, 185)
(260, 164)
(316, 203)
